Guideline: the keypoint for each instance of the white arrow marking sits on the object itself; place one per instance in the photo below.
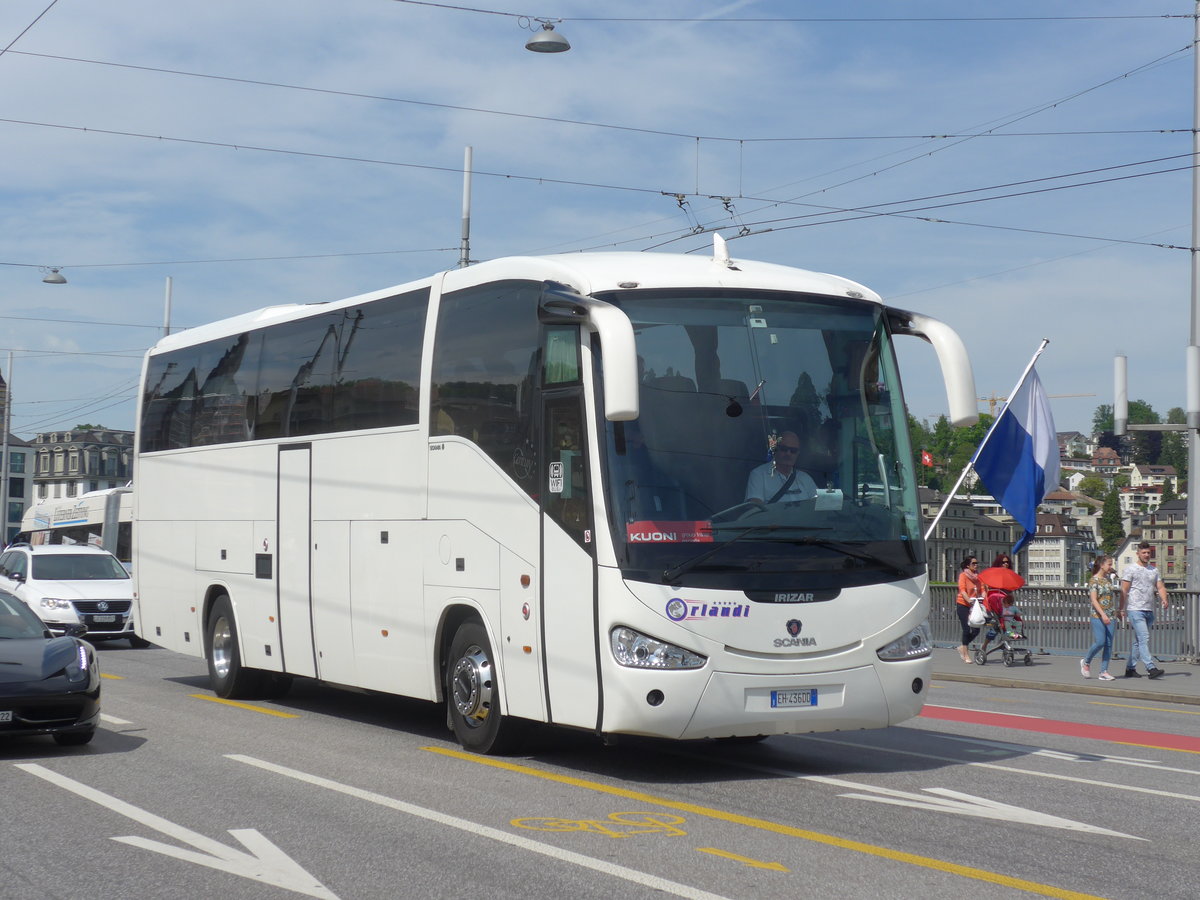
(960, 804)
(265, 862)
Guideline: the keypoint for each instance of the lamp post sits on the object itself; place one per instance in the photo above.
(5, 466)
(1191, 427)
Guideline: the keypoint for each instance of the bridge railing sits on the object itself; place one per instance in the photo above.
(1056, 621)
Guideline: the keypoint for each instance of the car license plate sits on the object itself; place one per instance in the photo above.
(99, 619)
(5, 715)
(784, 699)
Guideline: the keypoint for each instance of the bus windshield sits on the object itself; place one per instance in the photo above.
(771, 448)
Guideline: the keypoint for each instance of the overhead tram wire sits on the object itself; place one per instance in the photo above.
(558, 120)
(800, 19)
(768, 201)
(24, 31)
(541, 179)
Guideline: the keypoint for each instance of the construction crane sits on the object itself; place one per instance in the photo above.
(994, 399)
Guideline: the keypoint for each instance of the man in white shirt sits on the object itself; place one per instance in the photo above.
(779, 481)
(1139, 582)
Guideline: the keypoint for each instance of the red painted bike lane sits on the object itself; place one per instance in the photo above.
(1154, 739)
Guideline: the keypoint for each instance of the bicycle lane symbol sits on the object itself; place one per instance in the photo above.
(618, 825)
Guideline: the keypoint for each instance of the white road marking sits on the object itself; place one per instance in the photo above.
(598, 865)
(964, 805)
(113, 720)
(1174, 795)
(265, 862)
(975, 710)
(1066, 756)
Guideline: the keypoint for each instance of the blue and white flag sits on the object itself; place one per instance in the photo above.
(1018, 460)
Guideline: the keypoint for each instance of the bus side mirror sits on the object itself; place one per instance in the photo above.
(563, 305)
(952, 356)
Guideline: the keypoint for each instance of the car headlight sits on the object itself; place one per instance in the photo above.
(639, 651)
(52, 604)
(917, 644)
(77, 669)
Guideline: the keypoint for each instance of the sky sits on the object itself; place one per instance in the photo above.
(1021, 175)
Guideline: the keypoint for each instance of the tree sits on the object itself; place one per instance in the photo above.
(1093, 486)
(1102, 418)
(1168, 491)
(1147, 445)
(1174, 446)
(1111, 530)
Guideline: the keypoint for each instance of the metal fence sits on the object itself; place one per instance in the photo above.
(1056, 621)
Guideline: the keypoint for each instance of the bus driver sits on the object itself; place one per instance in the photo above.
(779, 480)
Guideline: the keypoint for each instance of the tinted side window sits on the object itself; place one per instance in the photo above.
(353, 368)
(200, 395)
(483, 373)
(379, 374)
(295, 380)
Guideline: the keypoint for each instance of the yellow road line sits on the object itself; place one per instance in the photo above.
(745, 860)
(261, 709)
(1156, 747)
(113, 677)
(1182, 712)
(972, 872)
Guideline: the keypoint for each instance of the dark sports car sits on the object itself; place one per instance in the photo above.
(48, 685)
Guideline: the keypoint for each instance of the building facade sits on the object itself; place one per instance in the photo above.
(70, 463)
(15, 488)
(962, 531)
(1166, 531)
(1060, 554)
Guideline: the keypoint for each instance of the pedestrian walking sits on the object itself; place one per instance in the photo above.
(1139, 582)
(1103, 617)
(970, 588)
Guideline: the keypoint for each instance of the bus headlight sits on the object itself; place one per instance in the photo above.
(917, 644)
(639, 651)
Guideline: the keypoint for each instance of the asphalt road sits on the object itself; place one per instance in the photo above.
(996, 792)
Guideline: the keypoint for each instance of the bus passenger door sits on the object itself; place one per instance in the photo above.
(568, 569)
(293, 548)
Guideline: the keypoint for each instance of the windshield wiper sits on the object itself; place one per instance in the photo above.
(670, 575)
(851, 551)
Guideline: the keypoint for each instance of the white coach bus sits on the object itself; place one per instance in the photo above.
(520, 488)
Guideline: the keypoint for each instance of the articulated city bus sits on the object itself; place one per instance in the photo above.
(98, 518)
(530, 489)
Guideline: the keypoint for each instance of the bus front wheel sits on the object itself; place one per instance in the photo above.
(473, 695)
(228, 677)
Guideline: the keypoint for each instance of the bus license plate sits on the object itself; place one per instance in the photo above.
(99, 619)
(783, 699)
(5, 715)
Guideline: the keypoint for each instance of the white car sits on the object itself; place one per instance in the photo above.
(72, 584)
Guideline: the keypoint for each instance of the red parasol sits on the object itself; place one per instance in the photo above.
(1001, 578)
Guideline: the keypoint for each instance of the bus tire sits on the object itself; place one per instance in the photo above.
(473, 695)
(227, 676)
(138, 643)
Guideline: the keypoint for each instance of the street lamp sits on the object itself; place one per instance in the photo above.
(547, 40)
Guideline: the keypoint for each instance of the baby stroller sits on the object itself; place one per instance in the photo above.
(1002, 623)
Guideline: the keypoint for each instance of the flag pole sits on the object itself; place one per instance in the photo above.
(974, 456)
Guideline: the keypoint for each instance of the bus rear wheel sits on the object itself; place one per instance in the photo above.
(228, 677)
(473, 695)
